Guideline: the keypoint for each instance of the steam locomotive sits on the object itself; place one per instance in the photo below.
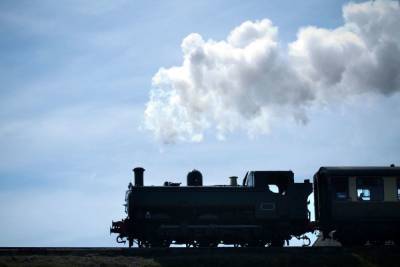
(353, 205)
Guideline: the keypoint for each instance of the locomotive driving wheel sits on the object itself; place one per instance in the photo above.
(351, 241)
(257, 243)
(377, 243)
(144, 244)
(277, 243)
(213, 244)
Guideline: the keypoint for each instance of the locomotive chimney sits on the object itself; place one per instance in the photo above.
(233, 180)
(138, 176)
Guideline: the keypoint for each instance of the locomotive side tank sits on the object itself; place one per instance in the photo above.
(253, 214)
(358, 204)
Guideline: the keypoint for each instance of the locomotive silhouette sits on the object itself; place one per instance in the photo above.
(353, 205)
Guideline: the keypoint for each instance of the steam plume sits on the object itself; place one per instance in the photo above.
(250, 80)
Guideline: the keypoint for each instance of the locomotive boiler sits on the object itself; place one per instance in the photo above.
(265, 210)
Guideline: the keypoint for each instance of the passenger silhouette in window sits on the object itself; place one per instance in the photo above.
(369, 188)
(363, 194)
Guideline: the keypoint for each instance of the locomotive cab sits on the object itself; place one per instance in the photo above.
(280, 180)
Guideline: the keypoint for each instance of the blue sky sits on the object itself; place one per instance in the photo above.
(75, 81)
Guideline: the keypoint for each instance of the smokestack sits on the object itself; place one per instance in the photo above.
(233, 180)
(138, 176)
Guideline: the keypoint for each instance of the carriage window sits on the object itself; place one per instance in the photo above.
(369, 188)
(341, 187)
(398, 188)
(363, 194)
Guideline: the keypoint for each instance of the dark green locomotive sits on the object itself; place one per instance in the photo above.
(252, 214)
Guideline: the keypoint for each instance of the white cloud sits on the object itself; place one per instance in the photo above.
(249, 81)
(363, 55)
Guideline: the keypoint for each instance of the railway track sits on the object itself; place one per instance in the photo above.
(200, 257)
(145, 252)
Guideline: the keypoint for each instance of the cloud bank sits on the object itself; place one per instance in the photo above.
(250, 80)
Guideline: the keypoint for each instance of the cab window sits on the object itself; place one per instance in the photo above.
(340, 188)
(369, 189)
(273, 188)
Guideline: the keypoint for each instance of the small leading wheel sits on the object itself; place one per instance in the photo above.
(192, 244)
